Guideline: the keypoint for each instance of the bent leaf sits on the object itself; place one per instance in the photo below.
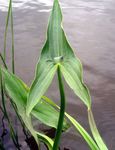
(41, 84)
(72, 71)
(95, 132)
(45, 139)
(49, 114)
(77, 126)
(37, 135)
(18, 90)
(83, 132)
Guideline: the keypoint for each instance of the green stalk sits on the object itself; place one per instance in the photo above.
(6, 29)
(3, 58)
(62, 111)
(12, 32)
(3, 61)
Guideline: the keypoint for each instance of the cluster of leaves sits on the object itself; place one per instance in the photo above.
(56, 56)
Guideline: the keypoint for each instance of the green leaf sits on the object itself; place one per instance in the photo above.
(37, 135)
(43, 80)
(70, 64)
(57, 51)
(18, 91)
(77, 126)
(44, 112)
(50, 57)
(95, 132)
(81, 130)
(72, 71)
(45, 139)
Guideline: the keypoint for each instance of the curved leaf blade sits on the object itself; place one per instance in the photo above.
(83, 132)
(45, 139)
(95, 132)
(18, 90)
(40, 85)
(77, 125)
(72, 72)
(43, 111)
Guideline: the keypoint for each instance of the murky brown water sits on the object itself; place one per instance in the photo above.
(90, 27)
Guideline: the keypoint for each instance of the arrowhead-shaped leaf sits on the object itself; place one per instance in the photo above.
(57, 51)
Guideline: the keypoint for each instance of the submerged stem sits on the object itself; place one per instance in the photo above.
(62, 110)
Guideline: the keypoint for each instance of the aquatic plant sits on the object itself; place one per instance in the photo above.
(56, 56)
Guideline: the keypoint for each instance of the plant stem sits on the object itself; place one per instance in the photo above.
(3, 61)
(62, 111)
(6, 29)
(12, 32)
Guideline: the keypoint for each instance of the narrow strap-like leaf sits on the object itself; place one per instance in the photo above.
(45, 139)
(6, 27)
(77, 125)
(95, 132)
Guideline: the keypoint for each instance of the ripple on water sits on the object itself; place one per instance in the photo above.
(24, 4)
(29, 4)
